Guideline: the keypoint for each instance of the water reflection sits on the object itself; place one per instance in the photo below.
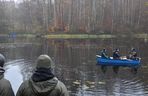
(114, 87)
(13, 74)
(76, 66)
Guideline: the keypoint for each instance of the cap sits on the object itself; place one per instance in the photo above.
(44, 61)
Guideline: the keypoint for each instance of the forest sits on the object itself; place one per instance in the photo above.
(74, 16)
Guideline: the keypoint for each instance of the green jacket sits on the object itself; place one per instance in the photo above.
(5, 86)
(52, 87)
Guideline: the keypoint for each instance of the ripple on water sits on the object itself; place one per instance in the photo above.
(108, 85)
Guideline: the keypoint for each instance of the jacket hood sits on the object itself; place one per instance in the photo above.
(44, 87)
(44, 61)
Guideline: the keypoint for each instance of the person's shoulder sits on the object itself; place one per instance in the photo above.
(5, 80)
(63, 89)
(25, 83)
(60, 83)
(5, 83)
(60, 88)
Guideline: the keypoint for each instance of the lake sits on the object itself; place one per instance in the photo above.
(75, 64)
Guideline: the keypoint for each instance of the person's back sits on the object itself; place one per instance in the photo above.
(5, 86)
(43, 82)
(52, 87)
(116, 54)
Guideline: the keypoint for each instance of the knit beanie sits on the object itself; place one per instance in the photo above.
(2, 60)
(44, 61)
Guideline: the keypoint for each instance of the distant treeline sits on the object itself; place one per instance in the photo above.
(74, 16)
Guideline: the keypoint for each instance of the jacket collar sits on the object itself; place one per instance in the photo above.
(42, 74)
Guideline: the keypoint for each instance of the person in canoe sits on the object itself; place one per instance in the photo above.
(116, 54)
(104, 54)
(133, 54)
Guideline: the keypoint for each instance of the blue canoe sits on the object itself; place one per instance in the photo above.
(117, 62)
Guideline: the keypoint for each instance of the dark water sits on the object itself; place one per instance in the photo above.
(76, 64)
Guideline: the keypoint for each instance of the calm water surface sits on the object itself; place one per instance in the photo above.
(76, 64)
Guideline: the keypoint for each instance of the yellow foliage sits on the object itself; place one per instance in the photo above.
(146, 3)
(59, 28)
(52, 28)
(146, 12)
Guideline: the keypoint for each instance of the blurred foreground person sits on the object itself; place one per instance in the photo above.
(5, 86)
(43, 82)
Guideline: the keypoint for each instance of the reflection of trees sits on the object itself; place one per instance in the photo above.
(75, 60)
